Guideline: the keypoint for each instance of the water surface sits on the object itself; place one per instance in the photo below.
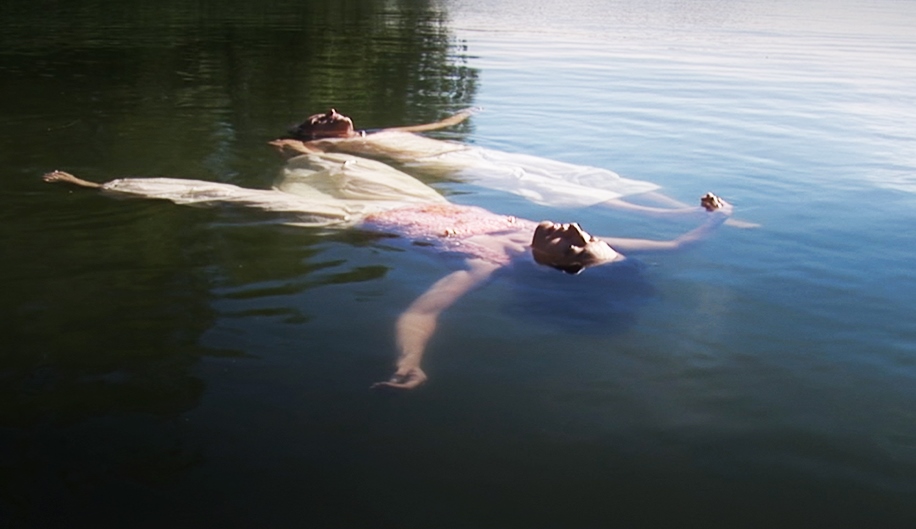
(181, 367)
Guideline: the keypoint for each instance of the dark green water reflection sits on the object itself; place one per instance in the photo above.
(106, 302)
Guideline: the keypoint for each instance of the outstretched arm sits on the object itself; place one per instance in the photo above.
(450, 121)
(418, 323)
(67, 178)
(715, 217)
(293, 147)
(669, 208)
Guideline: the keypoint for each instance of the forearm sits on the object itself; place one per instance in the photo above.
(417, 324)
(291, 147)
(699, 233)
(413, 331)
(450, 121)
(629, 246)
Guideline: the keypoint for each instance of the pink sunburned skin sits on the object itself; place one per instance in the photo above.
(447, 226)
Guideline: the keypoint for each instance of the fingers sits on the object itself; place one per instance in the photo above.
(470, 110)
(409, 379)
(393, 385)
(54, 176)
(396, 385)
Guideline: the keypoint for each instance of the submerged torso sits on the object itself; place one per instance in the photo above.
(471, 231)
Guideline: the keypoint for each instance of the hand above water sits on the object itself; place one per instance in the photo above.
(711, 202)
(290, 147)
(714, 204)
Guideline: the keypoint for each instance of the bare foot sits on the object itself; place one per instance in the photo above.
(62, 176)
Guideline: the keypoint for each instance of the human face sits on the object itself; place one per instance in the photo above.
(331, 124)
(568, 247)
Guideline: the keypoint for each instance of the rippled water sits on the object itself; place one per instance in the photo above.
(168, 366)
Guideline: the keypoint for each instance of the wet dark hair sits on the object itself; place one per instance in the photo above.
(539, 255)
(330, 124)
(571, 269)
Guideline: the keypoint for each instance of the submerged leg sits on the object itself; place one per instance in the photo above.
(61, 176)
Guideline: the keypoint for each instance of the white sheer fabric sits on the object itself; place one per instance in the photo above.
(540, 180)
(320, 189)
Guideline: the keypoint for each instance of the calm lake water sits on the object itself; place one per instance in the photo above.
(165, 366)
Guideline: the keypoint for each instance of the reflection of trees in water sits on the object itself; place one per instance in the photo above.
(102, 339)
(174, 81)
(102, 342)
(141, 83)
(107, 320)
(101, 348)
(110, 299)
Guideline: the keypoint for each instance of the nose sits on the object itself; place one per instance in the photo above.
(579, 232)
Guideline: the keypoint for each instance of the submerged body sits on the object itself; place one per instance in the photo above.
(539, 180)
(344, 191)
(320, 189)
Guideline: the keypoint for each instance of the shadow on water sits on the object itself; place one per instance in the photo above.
(601, 300)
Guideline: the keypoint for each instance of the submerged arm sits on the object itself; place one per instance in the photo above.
(668, 208)
(418, 323)
(714, 219)
(67, 178)
(291, 147)
(294, 147)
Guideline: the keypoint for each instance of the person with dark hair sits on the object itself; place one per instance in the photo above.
(339, 190)
(539, 180)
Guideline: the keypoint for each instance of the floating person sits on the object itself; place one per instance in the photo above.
(345, 191)
(540, 180)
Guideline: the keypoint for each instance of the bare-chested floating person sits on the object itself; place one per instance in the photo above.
(540, 180)
(341, 190)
